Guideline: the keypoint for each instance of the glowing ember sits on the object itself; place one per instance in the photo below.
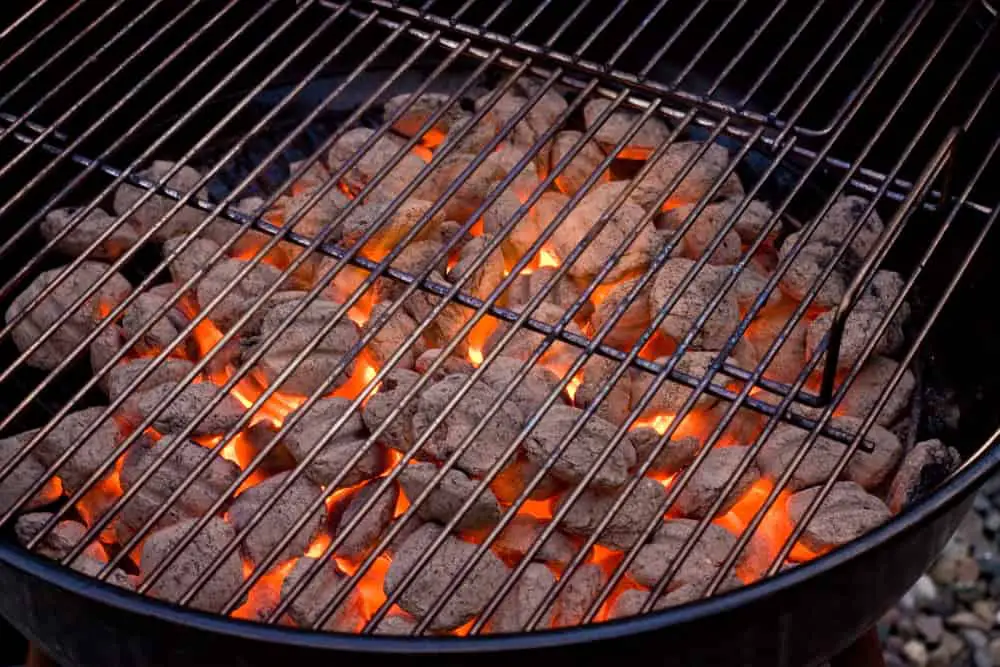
(477, 338)
(370, 586)
(423, 152)
(547, 259)
(573, 385)
(540, 509)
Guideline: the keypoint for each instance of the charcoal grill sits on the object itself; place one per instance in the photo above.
(811, 103)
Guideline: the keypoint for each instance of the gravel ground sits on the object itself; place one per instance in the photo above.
(951, 616)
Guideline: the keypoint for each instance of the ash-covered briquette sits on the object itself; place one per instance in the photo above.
(398, 433)
(674, 456)
(440, 571)
(760, 337)
(317, 369)
(58, 542)
(868, 388)
(196, 255)
(651, 133)
(40, 316)
(334, 453)
(598, 372)
(397, 623)
(198, 496)
(869, 470)
(390, 337)
(819, 250)
(155, 331)
(82, 233)
(274, 525)
(485, 278)
(389, 227)
(670, 397)
(557, 357)
(564, 293)
(581, 453)
(365, 536)
(448, 495)
(155, 207)
(701, 177)
(192, 562)
(510, 482)
(847, 513)
(632, 323)
(239, 295)
(580, 167)
(642, 505)
(373, 162)
(714, 216)
(923, 468)
(416, 110)
(705, 486)
(451, 365)
(169, 372)
(863, 322)
(88, 455)
(183, 408)
(584, 585)
(692, 302)
(488, 445)
(701, 563)
(532, 392)
(306, 607)
(631, 601)
(92, 567)
(521, 533)
(522, 600)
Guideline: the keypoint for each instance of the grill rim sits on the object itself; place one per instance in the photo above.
(947, 496)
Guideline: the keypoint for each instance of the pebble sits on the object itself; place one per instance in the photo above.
(977, 638)
(995, 650)
(992, 522)
(925, 592)
(982, 658)
(986, 610)
(931, 628)
(915, 652)
(966, 571)
(967, 619)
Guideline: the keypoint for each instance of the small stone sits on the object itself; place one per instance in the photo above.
(966, 620)
(966, 571)
(992, 522)
(924, 591)
(945, 571)
(915, 652)
(986, 610)
(930, 628)
(969, 593)
(906, 627)
(975, 637)
(947, 654)
(981, 658)
(995, 651)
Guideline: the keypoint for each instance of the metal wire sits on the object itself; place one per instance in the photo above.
(784, 144)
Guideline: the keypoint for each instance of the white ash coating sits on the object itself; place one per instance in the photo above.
(91, 567)
(365, 536)
(521, 533)
(373, 160)
(673, 457)
(157, 331)
(416, 110)
(613, 236)
(451, 365)
(632, 323)
(510, 482)
(924, 467)
(869, 470)
(533, 389)
(180, 412)
(642, 506)
(573, 601)
(847, 513)
(597, 373)
(652, 132)
(168, 372)
(40, 317)
(558, 357)
(692, 302)
(396, 624)
(86, 231)
(518, 239)
(88, 455)
(671, 396)
(275, 524)
(198, 496)
(708, 480)
(482, 281)
(863, 322)
(155, 207)
(415, 257)
(440, 571)
(749, 285)
(702, 233)
(398, 434)
(192, 562)
(470, 137)
(309, 604)
(191, 259)
(443, 327)
(522, 600)
(868, 387)
(240, 295)
(583, 449)
(714, 544)
(448, 495)
(581, 166)
(390, 228)
(488, 445)
(748, 226)
(316, 370)
(391, 336)
(704, 172)
(805, 270)
(790, 359)
(59, 541)
(108, 343)
(564, 293)
(332, 460)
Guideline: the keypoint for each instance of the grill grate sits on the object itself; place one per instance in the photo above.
(791, 135)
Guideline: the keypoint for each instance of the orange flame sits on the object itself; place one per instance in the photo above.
(547, 259)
